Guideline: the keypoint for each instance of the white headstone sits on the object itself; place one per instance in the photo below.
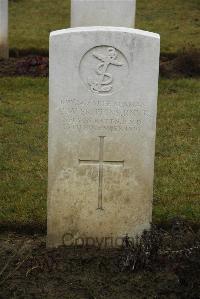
(102, 125)
(4, 51)
(103, 13)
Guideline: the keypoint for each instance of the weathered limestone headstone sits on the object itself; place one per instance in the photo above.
(102, 125)
(4, 51)
(103, 13)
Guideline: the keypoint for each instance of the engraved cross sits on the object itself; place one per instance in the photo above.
(101, 163)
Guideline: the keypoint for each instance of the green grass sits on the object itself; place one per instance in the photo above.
(177, 164)
(23, 148)
(31, 21)
(177, 21)
(23, 151)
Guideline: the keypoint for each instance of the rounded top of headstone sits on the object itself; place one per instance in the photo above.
(105, 29)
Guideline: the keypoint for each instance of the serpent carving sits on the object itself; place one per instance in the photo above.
(104, 79)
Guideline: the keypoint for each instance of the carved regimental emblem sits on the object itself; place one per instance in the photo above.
(104, 79)
(104, 70)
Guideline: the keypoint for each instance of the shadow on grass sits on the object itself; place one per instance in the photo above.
(17, 53)
(20, 228)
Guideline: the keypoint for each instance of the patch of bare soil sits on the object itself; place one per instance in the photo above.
(186, 63)
(183, 64)
(32, 65)
(162, 264)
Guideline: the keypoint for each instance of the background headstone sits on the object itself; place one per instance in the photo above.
(103, 13)
(102, 125)
(4, 51)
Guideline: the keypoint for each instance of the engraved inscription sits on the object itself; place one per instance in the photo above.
(104, 79)
(101, 163)
(104, 70)
(101, 115)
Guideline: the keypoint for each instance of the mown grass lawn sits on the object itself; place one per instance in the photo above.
(23, 151)
(177, 21)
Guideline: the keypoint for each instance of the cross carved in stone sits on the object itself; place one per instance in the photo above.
(101, 164)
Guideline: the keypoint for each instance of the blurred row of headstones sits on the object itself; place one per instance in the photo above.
(83, 13)
(4, 50)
